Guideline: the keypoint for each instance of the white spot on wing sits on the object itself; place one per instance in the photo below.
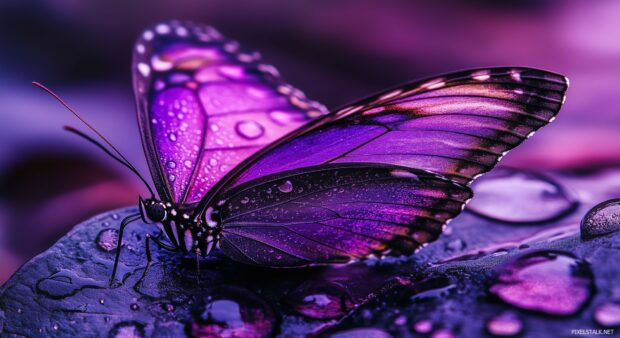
(144, 69)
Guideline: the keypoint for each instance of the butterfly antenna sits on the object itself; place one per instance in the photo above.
(107, 151)
(115, 153)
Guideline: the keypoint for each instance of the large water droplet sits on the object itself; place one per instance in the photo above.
(172, 137)
(604, 218)
(130, 329)
(513, 196)
(66, 283)
(286, 187)
(608, 314)
(504, 324)
(551, 282)
(233, 312)
(187, 163)
(320, 300)
(171, 164)
(249, 129)
(107, 239)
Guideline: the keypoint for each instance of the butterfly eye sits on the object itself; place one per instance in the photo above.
(152, 212)
(155, 212)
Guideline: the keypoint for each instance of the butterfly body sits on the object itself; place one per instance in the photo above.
(245, 163)
(183, 232)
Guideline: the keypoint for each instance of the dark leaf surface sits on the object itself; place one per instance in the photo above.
(453, 285)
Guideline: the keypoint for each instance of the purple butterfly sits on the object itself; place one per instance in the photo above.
(245, 163)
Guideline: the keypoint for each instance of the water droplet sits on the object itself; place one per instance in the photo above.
(442, 333)
(169, 307)
(551, 282)
(187, 163)
(504, 324)
(172, 137)
(224, 168)
(286, 187)
(171, 164)
(607, 314)
(55, 327)
(172, 177)
(455, 245)
(400, 320)
(249, 129)
(101, 301)
(245, 200)
(66, 283)
(129, 329)
(320, 300)
(365, 332)
(134, 307)
(212, 162)
(233, 312)
(423, 326)
(107, 239)
(513, 196)
(602, 219)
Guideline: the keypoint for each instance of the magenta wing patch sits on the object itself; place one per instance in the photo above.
(204, 106)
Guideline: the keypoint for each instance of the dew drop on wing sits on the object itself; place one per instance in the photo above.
(514, 196)
(602, 219)
(504, 324)
(286, 187)
(550, 282)
(320, 300)
(249, 129)
(171, 164)
(232, 312)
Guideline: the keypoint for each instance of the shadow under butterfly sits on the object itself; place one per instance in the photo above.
(243, 162)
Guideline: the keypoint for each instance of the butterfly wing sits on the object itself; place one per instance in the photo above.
(204, 106)
(336, 212)
(458, 125)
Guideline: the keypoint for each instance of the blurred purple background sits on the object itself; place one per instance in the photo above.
(336, 51)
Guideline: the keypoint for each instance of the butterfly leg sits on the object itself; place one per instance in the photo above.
(197, 266)
(149, 257)
(119, 244)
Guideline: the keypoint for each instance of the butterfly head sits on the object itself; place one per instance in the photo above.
(152, 210)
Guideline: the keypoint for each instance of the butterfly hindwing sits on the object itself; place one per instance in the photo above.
(204, 106)
(337, 212)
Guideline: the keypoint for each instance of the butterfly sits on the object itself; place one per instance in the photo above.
(245, 163)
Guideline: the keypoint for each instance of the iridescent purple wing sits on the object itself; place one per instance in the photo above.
(204, 106)
(458, 125)
(336, 212)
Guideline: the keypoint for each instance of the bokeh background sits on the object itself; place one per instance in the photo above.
(336, 51)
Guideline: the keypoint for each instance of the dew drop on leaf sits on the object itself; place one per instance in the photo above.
(555, 283)
(602, 219)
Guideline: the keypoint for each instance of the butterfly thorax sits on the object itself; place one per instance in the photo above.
(186, 233)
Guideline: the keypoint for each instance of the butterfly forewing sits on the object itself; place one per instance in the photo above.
(204, 106)
(336, 212)
(457, 125)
